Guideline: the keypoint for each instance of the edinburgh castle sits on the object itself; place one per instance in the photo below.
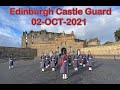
(48, 42)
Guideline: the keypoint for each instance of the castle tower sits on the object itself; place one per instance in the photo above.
(24, 40)
(72, 32)
(63, 33)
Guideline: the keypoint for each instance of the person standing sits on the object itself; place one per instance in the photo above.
(69, 59)
(56, 58)
(75, 62)
(80, 58)
(84, 59)
(47, 60)
(89, 61)
(11, 62)
(43, 62)
(64, 66)
(53, 62)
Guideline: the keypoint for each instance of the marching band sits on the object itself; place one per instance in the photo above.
(66, 60)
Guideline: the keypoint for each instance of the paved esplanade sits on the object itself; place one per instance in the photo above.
(29, 72)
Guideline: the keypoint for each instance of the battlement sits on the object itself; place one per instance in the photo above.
(45, 32)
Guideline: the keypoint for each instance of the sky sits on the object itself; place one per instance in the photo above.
(100, 26)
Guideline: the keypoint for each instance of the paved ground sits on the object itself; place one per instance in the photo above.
(29, 72)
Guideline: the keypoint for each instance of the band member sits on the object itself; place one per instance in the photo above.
(56, 58)
(75, 62)
(80, 58)
(53, 62)
(47, 60)
(43, 62)
(69, 59)
(84, 59)
(64, 66)
(89, 60)
(11, 61)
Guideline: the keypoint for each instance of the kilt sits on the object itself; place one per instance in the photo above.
(64, 68)
(75, 63)
(43, 63)
(53, 63)
(90, 63)
(84, 61)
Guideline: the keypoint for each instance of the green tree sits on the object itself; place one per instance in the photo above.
(117, 35)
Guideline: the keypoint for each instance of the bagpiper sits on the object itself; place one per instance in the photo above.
(80, 58)
(89, 61)
(84, 61)
(64, 66)
(53, 62)
(69, 59)
(47, 60)
(75, 62)
(43, 62)
(56, 58)
(11, 62)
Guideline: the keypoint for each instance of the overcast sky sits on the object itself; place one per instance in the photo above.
(101, 26)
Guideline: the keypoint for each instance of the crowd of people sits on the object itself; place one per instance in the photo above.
(63, 61)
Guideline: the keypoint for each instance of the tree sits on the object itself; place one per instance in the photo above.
(117, 35)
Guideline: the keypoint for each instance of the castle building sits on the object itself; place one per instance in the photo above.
(48, 42)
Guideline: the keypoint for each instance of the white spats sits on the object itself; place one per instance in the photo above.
(9, 67)
(76, 69)
(80, 63)
(90, 68)
(47, 66)
(53, 69)
(65, 76)
(84, 65)
(43, 69)
(69, 63)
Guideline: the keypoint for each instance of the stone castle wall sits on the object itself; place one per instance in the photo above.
(5, 52)
(57, 45)
(112, 49)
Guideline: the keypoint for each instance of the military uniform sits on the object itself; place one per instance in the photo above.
(56, 59)
(75, 62)
(47, 61)
(53, 62)
(43, 62)
(64, 66)
(84, 60)
(80, 59)
(11, 62)
(69, 59)
(90, 61)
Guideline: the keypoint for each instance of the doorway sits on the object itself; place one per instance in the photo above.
(63, 51)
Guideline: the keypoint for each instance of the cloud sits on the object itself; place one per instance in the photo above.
(103, 27)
